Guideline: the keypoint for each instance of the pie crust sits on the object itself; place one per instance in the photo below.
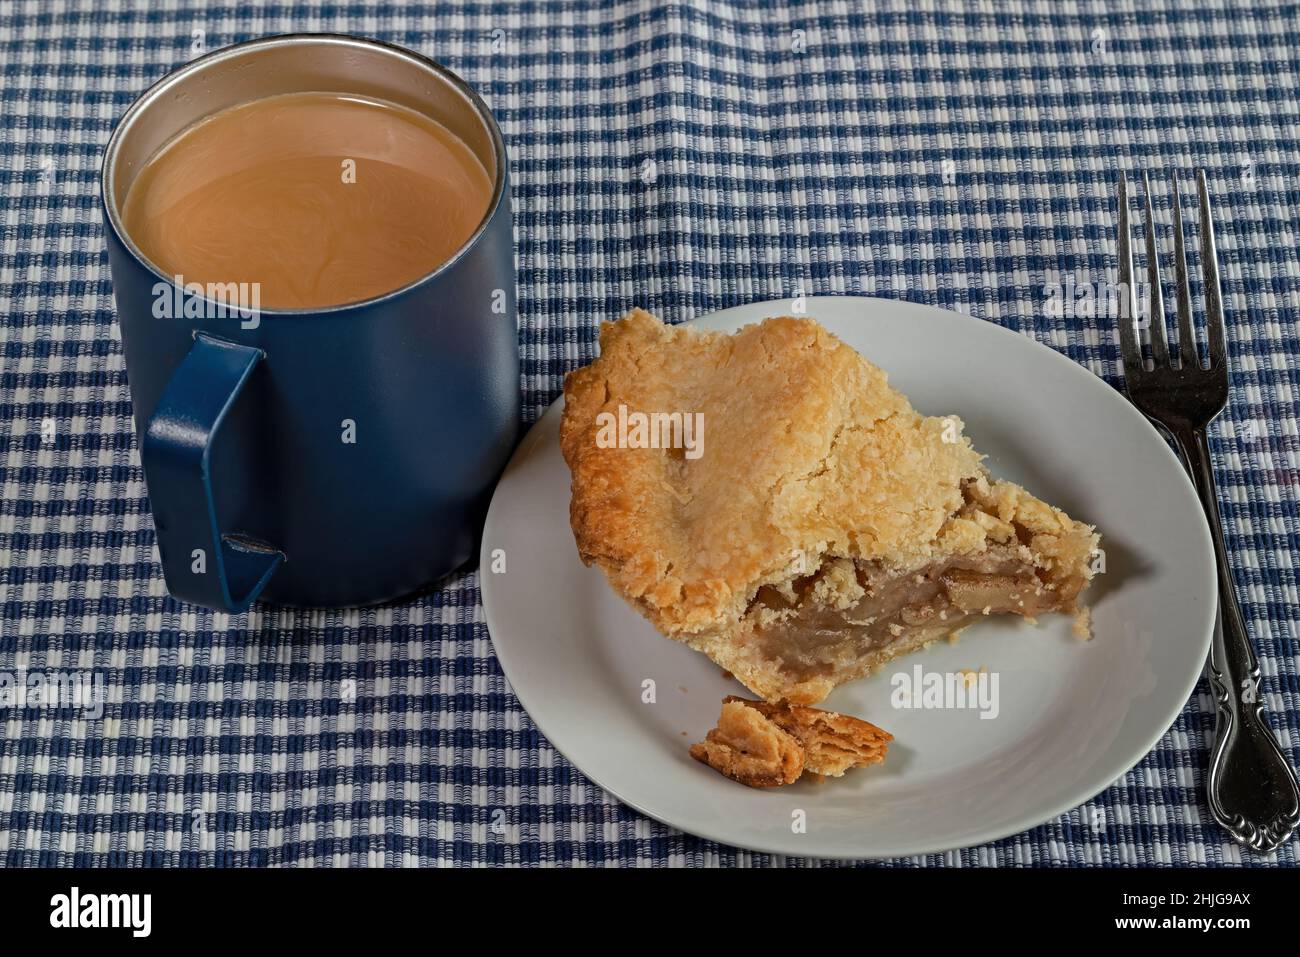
(768, 745)
(821, 526)
(748, 747)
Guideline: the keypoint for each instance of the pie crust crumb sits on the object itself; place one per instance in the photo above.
(1083, 624)
(769, 745)
(749, 748)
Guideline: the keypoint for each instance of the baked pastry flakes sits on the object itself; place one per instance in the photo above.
(749, 748)
(766, 745)
(832, 742)
(820, 528)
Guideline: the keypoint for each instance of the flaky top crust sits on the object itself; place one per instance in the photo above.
(807, 451)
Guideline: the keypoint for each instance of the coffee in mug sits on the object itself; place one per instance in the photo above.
(314, 199)
(338, 447)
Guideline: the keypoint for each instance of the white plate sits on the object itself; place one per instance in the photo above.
(1074, 715)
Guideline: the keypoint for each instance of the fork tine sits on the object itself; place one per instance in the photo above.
(1129, 347)
(1187, 354)
(1159, 348)
(1210, 275)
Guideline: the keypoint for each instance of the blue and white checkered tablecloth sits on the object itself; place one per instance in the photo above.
(683, 156)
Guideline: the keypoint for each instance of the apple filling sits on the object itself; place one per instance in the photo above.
(856, 615)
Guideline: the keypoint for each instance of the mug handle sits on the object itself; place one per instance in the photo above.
(200, 564)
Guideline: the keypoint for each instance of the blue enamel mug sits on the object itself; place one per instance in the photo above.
(325, 457)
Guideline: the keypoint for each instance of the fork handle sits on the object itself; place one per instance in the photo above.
(1252, 790)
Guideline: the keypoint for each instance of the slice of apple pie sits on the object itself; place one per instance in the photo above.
(767, 498)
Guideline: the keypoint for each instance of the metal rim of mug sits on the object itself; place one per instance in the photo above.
(165, 83)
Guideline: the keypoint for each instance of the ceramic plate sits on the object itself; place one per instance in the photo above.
(1068, 717)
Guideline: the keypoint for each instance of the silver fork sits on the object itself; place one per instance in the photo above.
(1252, 790)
